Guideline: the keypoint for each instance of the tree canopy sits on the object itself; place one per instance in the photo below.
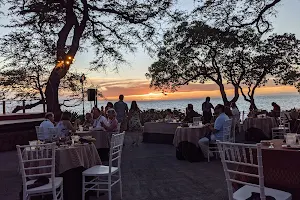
(26, 68)
(63, 28)
(196, 52)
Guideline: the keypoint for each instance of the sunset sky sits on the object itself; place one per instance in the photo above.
(131, 80)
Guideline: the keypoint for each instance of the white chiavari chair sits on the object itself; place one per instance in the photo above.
(39, 161)
(279, 132)
(39, 133)
(235, 158)
(105, 177)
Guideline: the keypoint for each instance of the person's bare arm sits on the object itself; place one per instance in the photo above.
(69, 125)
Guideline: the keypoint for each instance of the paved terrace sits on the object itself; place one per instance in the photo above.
(150, 172)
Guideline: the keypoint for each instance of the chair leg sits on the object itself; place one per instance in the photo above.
(98, 187)
(109, 187)
(121, 193)
(62, 192)
(83, 187)
(208, 155)
(24, 195)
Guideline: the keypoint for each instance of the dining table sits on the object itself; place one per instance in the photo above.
(186, 142)
(280, 167)
(265, 124)
(102, 141)
(160, 132)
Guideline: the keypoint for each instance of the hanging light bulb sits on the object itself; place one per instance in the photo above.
(67, 62)
(70, 57)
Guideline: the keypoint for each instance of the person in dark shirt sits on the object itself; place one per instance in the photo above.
(276, 110)
(190, 114)
(206, 108)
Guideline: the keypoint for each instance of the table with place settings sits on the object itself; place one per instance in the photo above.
(102, 137)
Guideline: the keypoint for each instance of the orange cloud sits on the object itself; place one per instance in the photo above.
(138, 89)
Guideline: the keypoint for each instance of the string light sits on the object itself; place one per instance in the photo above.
(70, 58)
(67, 62)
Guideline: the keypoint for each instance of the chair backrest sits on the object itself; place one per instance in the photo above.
(36, 161)
(39, 133)
(227, 134)
(116, 146)
(241, 163)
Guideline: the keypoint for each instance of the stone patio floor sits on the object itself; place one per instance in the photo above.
(150, 172)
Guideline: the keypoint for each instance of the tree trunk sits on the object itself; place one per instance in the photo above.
(223, 93)
(236, 94)
(52, 93)
(252, 103)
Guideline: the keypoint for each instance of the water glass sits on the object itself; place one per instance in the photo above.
(291, 139)
(80, 128)
(33, 143)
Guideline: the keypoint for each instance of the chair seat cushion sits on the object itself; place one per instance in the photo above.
(245, 192)
(99, 170)
(45, 188)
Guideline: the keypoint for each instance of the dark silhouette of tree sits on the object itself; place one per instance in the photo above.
(237, 14)
(196, 52)
(276, 59)
(64, 27)
(26, 69)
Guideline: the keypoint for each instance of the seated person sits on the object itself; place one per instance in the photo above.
(169, 116)
(98, 118)
(46, 124)
(88, 120)
(65, 126)
(190, 114)
(216, 131)
(112, 123)
(276, 110)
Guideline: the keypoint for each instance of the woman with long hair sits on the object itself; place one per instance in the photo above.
(135, 125)
(65, 126)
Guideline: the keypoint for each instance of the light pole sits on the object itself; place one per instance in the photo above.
(82, 79)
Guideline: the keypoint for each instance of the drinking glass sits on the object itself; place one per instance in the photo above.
(80, 128)
(291, 139)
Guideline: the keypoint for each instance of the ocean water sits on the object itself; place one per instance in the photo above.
(285, 101)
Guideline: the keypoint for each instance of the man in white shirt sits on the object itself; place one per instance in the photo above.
(46, 124)
(98, 119)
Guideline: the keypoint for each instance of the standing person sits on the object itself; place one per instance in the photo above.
(235, 111)
(122, 111)
(206, 108)
(135, 125)
(46, 124)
